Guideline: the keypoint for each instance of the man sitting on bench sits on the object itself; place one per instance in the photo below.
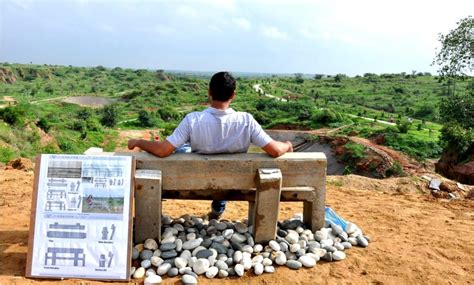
(217, 129)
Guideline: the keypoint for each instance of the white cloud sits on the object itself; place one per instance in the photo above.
(163, 30)
(242, 23)
(273, 33)
(187, 11)
(214, 28)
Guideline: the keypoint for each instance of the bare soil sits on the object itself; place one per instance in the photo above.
(415, 238)
(89, 101)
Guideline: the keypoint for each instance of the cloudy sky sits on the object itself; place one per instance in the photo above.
(271, 36)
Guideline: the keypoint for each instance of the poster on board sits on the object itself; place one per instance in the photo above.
(81, 217)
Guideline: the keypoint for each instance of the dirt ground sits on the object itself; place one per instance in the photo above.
(415, 239)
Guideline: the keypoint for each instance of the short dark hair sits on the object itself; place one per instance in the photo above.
(222, 86)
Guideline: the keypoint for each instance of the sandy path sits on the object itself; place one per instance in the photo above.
(415, 239)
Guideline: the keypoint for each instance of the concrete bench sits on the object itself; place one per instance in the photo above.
(261, 180)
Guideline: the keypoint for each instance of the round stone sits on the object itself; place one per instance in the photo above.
(257, 248)
(247, 248)
(173, 272)
(156, 261)
(150, 271)
(146, 254)
(204, 253)
(167, 246)
(169, 254)
(346, 245)
(239, 269)
(292, 224)
(241, 227)
(361, 241)
(186, 254)
(166, 220)
(201, 266)
(157, 253)
(135, 253)
(188, 279)
(295, 247)
(351, 228)
(179, 245)
(228, 233)
(221, 226)
(292, 237)
(267, 261)
(223, 273)
(320, 235)
(170, 239)
(221, 265)
(338, 255)
(257, 259)
(219, 247)
(163, 268)
(237, 256)
(152, 280)
(180, 262)
(293, 264)
(145, 263)
(212, 272)
(283, 246)
(269, 269)
(339, 246)
(238, 238)
(326, 242)
(132, 270)
(191, 236)
(139, 273)
(192, 244)
(307, 261)
(150, 244)
(258, 269)
(327, 256)
(274, 245)
(280, 258)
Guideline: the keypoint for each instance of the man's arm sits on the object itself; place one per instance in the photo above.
(277, 148)
(160, 149)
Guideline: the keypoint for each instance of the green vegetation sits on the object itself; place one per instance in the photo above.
(41, 122)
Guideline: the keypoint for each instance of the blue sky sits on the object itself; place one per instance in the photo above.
(327, 37)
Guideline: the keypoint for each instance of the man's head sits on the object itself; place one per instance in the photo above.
(222, 86)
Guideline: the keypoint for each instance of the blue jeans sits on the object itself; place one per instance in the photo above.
(218, 206)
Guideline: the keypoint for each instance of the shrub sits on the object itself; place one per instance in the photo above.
(109, 116)
(356, 151)
(403, 126)
(145, 119)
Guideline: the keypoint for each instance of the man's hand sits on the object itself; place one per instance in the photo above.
(132, 143)
(277, 148)
(290, 146)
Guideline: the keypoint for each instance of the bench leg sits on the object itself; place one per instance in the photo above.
(313, 212)
(267, 204)
(251, 213)
(147, 205)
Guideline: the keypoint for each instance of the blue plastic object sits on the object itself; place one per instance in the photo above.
(333, 217)
(185, 148)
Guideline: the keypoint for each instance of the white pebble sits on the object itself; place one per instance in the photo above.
(180, 262)
(280, 258)
(307, 261)
(152, 280)
(257, 248)
(258, 269)
(163, 269)
(139, 273)
(338, 255)
(212, 272)
(269, 269)
(150, 244)
(274, 245)
(267, 261)
(156, 261)
(201, 266)
(239, 269)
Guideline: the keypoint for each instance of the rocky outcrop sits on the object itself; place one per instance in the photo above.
(7, 76)
(20, 164)
(449, 167)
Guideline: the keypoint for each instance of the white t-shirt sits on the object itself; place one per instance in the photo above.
(219, 131)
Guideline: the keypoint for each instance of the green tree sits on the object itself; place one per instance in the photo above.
(455, 58)
(145, 119)
(109, 116)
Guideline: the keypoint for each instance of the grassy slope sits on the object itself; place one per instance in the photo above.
(167, 98)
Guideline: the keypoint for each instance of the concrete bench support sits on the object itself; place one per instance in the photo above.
(267, 204)
(299, 177)
(148, 205)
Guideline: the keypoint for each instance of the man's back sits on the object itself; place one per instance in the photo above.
(219, 131)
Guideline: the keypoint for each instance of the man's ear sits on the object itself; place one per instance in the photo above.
(233, 96)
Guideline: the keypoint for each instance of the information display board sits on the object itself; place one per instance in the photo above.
(81, 217)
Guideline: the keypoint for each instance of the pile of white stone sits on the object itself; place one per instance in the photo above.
(191, 246)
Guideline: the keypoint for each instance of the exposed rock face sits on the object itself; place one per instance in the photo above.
(448, 166)
(20, 164)
(7, 76)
